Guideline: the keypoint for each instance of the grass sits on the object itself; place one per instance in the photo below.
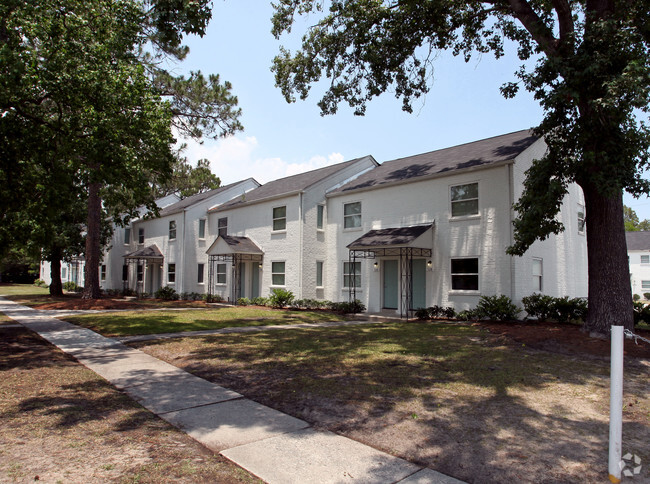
(130, 323)
(449, 396)
(9, 289)
(60, 422)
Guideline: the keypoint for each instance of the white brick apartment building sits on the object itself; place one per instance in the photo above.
(638, 254)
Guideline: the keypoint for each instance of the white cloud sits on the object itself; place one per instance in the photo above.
(233, 159)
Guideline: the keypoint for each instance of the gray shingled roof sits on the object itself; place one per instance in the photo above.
(401, 236)
(638, 240)
(150, 252)
(287, 185)
(435, 163)
(199, 197)
(241, 245)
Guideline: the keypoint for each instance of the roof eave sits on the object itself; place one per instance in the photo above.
(253, 202)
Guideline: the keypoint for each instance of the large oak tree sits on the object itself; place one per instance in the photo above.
(587, 63)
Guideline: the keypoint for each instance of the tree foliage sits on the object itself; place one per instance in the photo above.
(632, 223)
(187, 180)
(587, 63)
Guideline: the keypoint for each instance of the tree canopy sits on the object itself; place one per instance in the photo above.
(632, 223)
(587, 63)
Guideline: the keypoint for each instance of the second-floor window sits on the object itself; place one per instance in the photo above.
(464, 200)
(223, 226)
(280, 218)
(172, 229)
(202, 228)
(352, 215)
(127, 235)
(581, 218)
(320, 216)
(141, 236)
(645, 259)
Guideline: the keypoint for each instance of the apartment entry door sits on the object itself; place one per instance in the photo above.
(391, 284)
(249, 282)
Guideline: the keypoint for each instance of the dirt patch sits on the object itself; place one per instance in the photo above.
(59, 422)
(566, 339)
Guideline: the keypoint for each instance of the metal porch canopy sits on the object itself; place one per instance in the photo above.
(228, 248)
(145, 256)
(402, 242)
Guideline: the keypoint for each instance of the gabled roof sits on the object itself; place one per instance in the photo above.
(228, 244)
(194, 199)
(393, 237)
(441, 162)
(638, 240)
(288, 185)
(149, 252)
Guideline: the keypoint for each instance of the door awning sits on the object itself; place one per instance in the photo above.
(150, 254)
(228, 245)
(413, 236)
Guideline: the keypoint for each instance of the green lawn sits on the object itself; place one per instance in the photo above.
(130, 323)
(22, 290)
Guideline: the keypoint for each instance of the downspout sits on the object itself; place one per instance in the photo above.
(182, 271)
(511, 199)
(301, 214)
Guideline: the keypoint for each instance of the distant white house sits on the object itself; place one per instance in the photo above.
(430, 229)
(638, 255)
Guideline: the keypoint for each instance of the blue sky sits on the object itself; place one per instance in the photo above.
(281, 139)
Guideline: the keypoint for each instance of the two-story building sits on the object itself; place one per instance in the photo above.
(638, 255)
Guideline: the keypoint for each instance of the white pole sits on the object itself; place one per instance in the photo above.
(616, 405)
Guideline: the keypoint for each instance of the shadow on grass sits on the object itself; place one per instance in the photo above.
(447, 396)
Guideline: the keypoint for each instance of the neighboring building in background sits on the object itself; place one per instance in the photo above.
(638, 255)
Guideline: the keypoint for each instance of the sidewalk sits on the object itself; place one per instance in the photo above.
(274, 446)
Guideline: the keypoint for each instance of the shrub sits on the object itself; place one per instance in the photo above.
(72, 286)
(212, 298)
(280, 298)
(243, 301)
(184, 296)
(499, 308)
(297, 304)
(422, 314)
(40, 283)
(646, 296)
(539, 306)
(468, 315)
(636, 297)
(449, 312)
(355, 306)
(128, 292)
(641, 313)
(260, 301)
(566, 309)
(165, 293)
(441, 312)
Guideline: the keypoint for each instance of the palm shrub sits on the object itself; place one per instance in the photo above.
(166, 294)
(280, 298)
(499, 308)
(243, 301)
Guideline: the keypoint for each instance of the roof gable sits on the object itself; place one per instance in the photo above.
(437, 163)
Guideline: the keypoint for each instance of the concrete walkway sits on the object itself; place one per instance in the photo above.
(274, 446)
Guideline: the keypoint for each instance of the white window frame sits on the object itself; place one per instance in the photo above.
(477, 274)
(645, 285)
(222, 273)
(356, 218)
(172, 230)
(200, 273)
(320, 216)
(222, 228)
(356, 274)
(102, 272)
(140, 273)
(281, 220)
(276, 272)
(646, 261)
(64, 272)
(141, 235)
(320, 266)
(202, 226)
(457, 202)
(171, 273)
(127, 235)
(538, 279)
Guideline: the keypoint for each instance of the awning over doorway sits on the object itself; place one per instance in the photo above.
(228, 248)
(147, 254)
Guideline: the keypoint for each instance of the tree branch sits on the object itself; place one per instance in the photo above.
(540, 32)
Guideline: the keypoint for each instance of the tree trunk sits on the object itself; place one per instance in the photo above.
(56, 288)
(610, 292)
(93, 244)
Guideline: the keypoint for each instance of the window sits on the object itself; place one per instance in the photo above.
(320, 212)
(645, 259)
(172, 229)
(352, 215)
(140, 273)
(352, 274)
(200, 273)
(581, 219)
(202, 228)
(171, 272)
(645, 285)
(102, 272)
(464, 274)
(64, 272)
(141, 236)
(464, 200)
(223, 226)
(280, 218)
(319, 274)
(277, 273)
(125, 272)
(127, 235)
(537, 275)
(221, 273)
